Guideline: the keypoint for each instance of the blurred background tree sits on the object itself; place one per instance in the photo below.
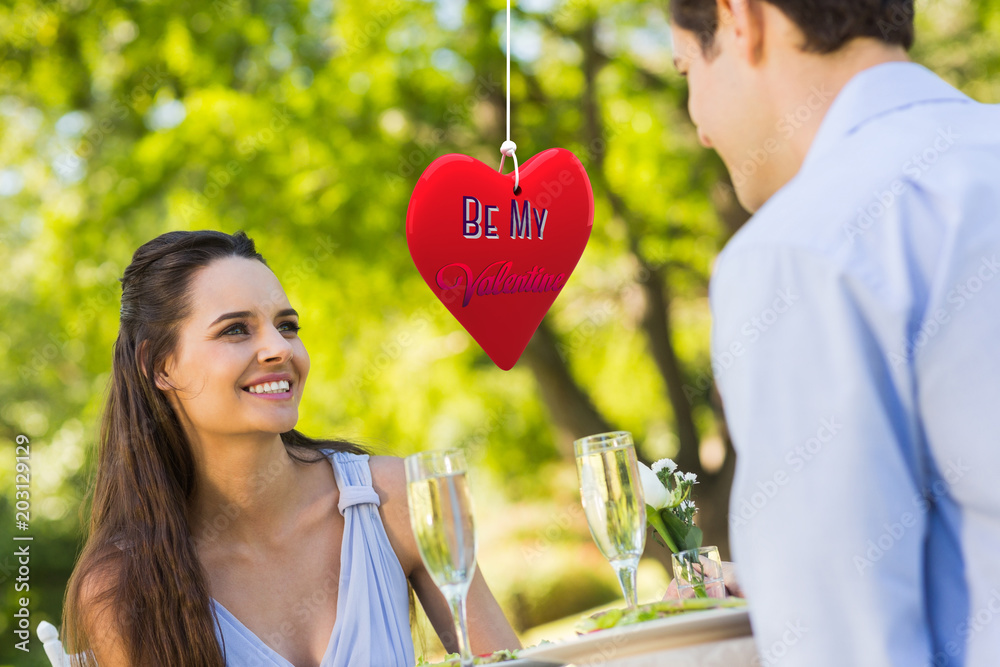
(306, 123)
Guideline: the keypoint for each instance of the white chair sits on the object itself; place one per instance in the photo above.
(49, 635)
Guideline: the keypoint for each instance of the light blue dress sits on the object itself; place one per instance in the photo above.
(373, 623)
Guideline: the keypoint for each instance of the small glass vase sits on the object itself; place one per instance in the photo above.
(699, 573)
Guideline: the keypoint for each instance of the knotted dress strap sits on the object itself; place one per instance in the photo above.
(373, 612)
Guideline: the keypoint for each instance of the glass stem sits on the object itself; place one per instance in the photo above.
(626, 571)
(457, 604)
(698, 579)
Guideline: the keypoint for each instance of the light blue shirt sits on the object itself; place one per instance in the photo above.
(856, 344)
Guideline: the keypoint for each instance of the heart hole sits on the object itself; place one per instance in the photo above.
(517, 191)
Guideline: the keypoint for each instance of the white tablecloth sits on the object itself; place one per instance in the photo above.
(739, 652)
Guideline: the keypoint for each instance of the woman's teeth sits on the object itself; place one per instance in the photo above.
(270, 387)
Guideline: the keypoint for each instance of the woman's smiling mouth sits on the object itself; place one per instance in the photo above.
(269, 387)
(273, 390)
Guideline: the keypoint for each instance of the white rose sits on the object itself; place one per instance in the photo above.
(653, 491)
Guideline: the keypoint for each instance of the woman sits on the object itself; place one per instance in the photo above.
(219, 535)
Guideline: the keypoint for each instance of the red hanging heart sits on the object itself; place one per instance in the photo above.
(498, 260)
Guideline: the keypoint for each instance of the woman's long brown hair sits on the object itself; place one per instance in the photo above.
(139, 569)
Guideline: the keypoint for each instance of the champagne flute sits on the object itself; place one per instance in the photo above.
(441, 517)
(613, 502)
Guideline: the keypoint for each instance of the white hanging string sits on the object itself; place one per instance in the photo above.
(509, 148)
(508, 72)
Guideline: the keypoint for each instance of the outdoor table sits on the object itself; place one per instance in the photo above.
(718, 637)
(737, 652)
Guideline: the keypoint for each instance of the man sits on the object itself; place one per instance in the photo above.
(856, 337)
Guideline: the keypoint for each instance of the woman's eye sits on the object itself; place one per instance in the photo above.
(242, 329)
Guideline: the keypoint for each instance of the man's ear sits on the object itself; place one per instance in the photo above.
(745, 20)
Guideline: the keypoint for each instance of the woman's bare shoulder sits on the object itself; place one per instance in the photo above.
(388, 472)
(98, 577)
(97, 597)
(389, 482)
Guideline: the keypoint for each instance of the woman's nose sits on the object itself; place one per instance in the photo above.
(275, 348)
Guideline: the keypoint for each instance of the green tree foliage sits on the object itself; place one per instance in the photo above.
(306, 123)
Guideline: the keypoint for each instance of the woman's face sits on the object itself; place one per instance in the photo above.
(241, 333)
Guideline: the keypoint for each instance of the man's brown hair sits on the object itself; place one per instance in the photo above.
(826, 24)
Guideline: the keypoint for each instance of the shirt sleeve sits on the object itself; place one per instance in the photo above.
(826, 521)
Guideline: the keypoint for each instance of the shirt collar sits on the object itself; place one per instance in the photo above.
(875, 92)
